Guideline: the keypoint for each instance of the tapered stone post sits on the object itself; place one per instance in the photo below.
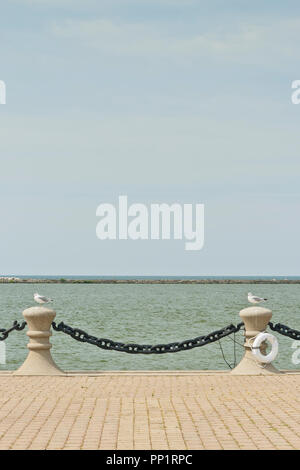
(256, 320)
(39, 360)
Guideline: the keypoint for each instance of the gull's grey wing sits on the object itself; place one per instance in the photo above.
(254, 297)
(44, 299)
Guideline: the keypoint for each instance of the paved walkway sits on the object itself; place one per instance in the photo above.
(150, 411)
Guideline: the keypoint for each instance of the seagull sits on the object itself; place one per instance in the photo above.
(253, 299)
(40, 299)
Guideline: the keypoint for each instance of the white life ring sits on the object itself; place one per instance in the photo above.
(260, 338)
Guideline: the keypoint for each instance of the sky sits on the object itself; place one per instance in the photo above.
(160, 100)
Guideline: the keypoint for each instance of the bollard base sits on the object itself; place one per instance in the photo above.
(250, 366)
(40, 363)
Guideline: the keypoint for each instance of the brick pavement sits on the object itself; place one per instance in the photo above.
(150, 411)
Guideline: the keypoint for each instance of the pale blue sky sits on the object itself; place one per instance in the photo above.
(163, 100)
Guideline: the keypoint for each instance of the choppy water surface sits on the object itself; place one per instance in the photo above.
(146, 314)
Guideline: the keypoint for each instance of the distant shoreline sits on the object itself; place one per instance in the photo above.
(147, 281)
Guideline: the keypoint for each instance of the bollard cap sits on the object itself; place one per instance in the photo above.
(255, 319)
(38, 310)
(39, 318)
(255, 311)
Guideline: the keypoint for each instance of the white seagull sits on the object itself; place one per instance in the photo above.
(253, 299)
(40, 299)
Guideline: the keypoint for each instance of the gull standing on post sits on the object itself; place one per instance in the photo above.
(40, 299)
(253, 299)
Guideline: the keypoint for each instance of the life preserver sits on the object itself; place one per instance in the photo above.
(260, 338)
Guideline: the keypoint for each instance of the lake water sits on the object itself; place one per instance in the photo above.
(146, 314)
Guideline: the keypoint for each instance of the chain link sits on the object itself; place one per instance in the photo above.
(133, 348)
(285, 330)
(16, 326)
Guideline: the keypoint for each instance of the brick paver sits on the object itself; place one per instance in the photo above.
(150, 411)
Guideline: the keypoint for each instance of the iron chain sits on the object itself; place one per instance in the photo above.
(16, 326)
(285, 330)
(132, 348)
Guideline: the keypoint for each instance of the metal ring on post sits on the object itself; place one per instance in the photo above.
(260, 338)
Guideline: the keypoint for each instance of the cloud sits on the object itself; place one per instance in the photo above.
(144, 150)
(111, 3)
(248, 43)
(84, 2)
(50, 2)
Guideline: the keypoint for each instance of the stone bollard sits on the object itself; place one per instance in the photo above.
(39, 360)
(256, 320)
